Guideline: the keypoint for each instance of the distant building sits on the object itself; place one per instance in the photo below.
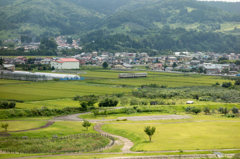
(65, 63)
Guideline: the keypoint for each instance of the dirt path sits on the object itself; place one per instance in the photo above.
(127, 143)
(49, 123)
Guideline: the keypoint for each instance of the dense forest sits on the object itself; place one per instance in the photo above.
(163, 41)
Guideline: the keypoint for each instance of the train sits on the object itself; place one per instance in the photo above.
(132, 75)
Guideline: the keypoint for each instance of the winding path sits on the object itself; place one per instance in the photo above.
(127, 143)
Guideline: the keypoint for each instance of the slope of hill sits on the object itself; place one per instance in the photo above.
(46, 15)
(172, 12)
(226, 6)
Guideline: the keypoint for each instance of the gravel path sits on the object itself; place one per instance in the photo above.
(127, 143)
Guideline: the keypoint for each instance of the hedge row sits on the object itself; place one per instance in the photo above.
(16, 113)
(7, 105)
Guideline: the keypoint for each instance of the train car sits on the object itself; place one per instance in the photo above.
(132, 75)
(237, 74)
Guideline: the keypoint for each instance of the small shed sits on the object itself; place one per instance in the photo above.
(9, 67)
(189, 102)
(153, 103)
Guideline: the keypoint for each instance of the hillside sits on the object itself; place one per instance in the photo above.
(67, 17)
(226, 6)
(174, 13)
(38, 16)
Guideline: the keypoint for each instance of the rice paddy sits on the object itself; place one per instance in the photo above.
(183, 136)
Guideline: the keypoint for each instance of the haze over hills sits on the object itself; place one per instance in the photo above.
(124, 25)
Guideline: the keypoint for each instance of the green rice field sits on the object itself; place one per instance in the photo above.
(184, 136)
(53, 90)
(171, 81)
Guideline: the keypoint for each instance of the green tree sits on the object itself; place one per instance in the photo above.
(150, 131)
(105, 65)
(0, 42)
(1, 61)
(196, 110)
(235, 110)
(105, 112)
(200, 70)
(84, 105)
(225, 111)
(86, 124)
(95, 112)
(5, 126)
(206, 110)
(69, 40)
(174, 65)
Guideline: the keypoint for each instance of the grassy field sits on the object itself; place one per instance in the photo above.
(184, 136)
(115, 116)
(60, 128)
(61, 103)
(53, 90)
(5, 81)
(22, 125)
(170, 80)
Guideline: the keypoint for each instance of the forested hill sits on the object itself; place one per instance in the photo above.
(68, 17)
(226, 6)
(171, 12)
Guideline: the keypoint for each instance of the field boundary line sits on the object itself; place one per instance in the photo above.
(49, 123)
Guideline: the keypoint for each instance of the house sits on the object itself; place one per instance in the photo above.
(21, 58)
(156, 66)
(195, 62)
(46, 61)
(121, 67)
(168, 68)
(127, 66)
(65, 63)
(9, 67)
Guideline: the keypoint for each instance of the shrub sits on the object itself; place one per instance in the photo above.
(134, 101)
(225, 111)
(230, 115)
(139, 110)
(235, 110)
(226, 84)
(188, 109)
(196, 110)
(84, 105)
(6, 105)
(220, 109)
(11, 105)
(108, 103)
(144, 102)
(206, 110)
(124, 120)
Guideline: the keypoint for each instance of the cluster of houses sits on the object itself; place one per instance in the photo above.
(62, 43)
(60, 40)
(179, 61)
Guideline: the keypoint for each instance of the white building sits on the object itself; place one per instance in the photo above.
(65, 63)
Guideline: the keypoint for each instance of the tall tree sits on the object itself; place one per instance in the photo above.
(69, 40)
(174, 65)
(105, 65)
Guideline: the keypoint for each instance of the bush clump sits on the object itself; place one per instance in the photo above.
(7, 105)
(108, 103)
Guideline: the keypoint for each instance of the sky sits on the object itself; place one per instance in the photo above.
(222, 0)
